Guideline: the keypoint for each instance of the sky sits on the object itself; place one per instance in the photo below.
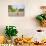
(18, 5)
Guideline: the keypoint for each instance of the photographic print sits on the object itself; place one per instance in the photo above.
(16, 10)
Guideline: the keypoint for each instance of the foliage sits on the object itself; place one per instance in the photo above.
(41, 17)
(11, 9)
(11, 31)
(21, 9)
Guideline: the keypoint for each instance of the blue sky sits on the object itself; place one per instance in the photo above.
(18, 5)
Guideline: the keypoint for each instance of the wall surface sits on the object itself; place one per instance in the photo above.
(26, 25)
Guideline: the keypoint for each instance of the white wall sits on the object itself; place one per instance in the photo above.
(26, 25)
